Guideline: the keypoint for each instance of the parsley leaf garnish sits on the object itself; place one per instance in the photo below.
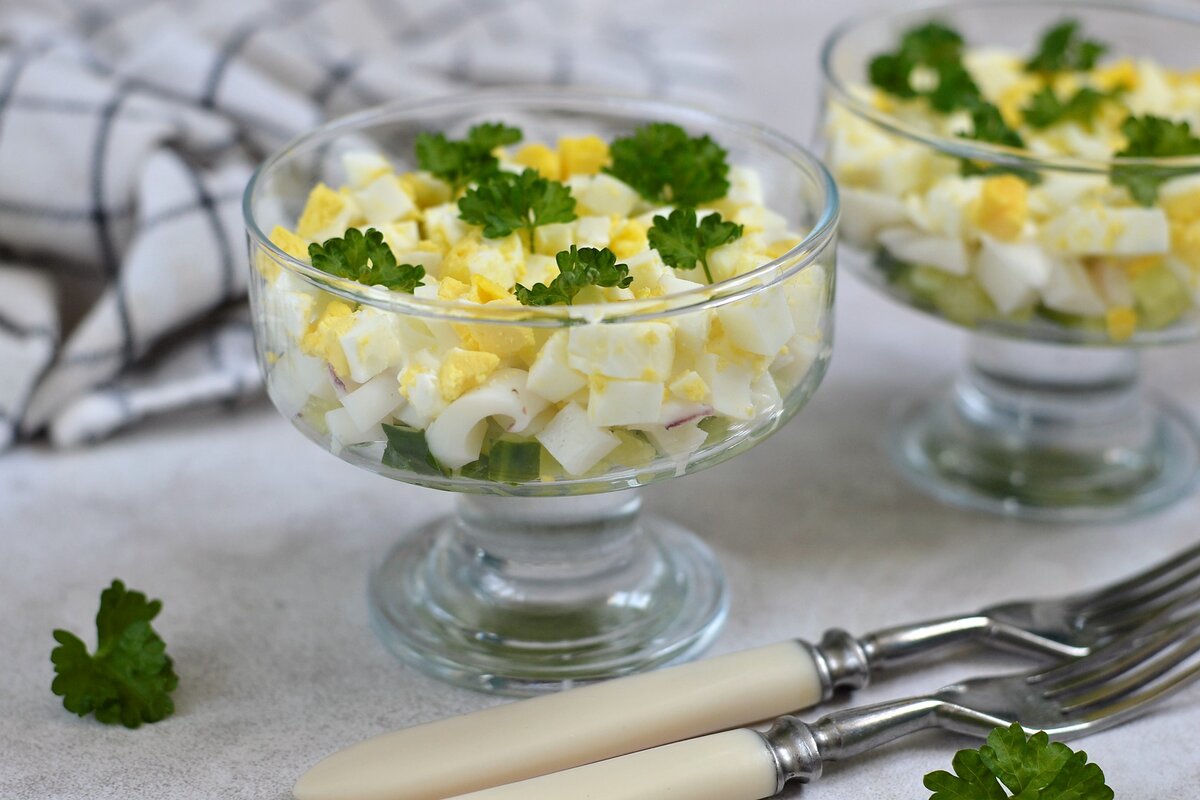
(459, 162)
(505, 202)
(1063, 49)
(1032, 769)
(682, 242)
(988, 125)
(365, 258)
(932, 43)
(937, 47)
(1046, 109)
(892, 72)
(955, 89)
(577, 268)
(665, 165)
(130, 677)
(940, 48)
(1152, 137)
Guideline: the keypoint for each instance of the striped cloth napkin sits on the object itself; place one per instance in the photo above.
(128, 129)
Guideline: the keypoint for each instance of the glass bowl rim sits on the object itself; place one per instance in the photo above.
(803, 254)
(986, 151)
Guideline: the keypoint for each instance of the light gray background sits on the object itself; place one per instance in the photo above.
(259, 544)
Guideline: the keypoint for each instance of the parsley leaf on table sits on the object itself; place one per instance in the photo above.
(1032, 768)
(130, 677)
(682, 242)
(1152, 137)
(577, 268)
(459, 162)
(1063, 49)
(665, 165)
(504, 202)
(1046, 109)
(365, 258)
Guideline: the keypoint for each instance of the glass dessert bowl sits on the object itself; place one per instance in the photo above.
(1044, 195)
(545, 406)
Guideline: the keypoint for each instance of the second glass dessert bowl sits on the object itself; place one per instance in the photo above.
(982, 182)
(546, 574)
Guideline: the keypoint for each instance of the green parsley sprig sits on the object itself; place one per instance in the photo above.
(365, 258)
(130, 677)
(988, 125)
(683, 242)
(1153, 137)
(577, 268)
(505, 202)
(665, 165)
(1046, 109)
(460, 162)
(1063, 49)
(1032, 768)
(935, 46)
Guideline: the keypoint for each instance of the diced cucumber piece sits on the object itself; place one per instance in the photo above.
(633, 451)
(515, 460)
(407, 449)
(476, 470)
(549, 469)
(717, 428)
(1075, 321)
(1160, 297)
(958, 298)
(893, 269)
(314, 411)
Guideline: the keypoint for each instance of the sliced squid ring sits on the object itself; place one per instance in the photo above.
(455, 438)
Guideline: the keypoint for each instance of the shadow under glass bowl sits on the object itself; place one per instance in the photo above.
(546, 576)
(1049, 421)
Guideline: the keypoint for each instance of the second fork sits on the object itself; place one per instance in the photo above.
(555, 732)
(1098, 691)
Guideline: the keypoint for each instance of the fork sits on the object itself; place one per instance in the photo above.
(610, 719)
(1113, 684)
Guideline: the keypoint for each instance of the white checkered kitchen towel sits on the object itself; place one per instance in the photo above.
(128, 129)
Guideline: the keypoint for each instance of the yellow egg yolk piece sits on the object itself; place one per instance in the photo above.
(1121, 322)
(1003, 206)
(584, 155)
(323, 208)
(630, 239)
(322, 338)
(463, 370)
(542, 158)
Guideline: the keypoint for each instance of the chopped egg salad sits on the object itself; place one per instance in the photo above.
(448, 396)
(1114, 253)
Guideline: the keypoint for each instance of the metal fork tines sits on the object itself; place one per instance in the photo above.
(1068, 627)
(1118, 681)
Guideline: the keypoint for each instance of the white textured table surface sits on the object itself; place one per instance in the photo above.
(259, 544)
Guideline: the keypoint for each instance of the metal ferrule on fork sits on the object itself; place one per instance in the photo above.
(1110, 685)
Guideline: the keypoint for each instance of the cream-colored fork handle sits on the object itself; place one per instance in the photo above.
(735, 765)
(546, 734)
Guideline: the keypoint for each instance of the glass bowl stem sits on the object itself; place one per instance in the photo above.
(523, 595)
(1048, 432)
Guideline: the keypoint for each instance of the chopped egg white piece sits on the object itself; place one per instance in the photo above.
(621, 402)
(632, 350)
(574, 442)
(551, 375)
